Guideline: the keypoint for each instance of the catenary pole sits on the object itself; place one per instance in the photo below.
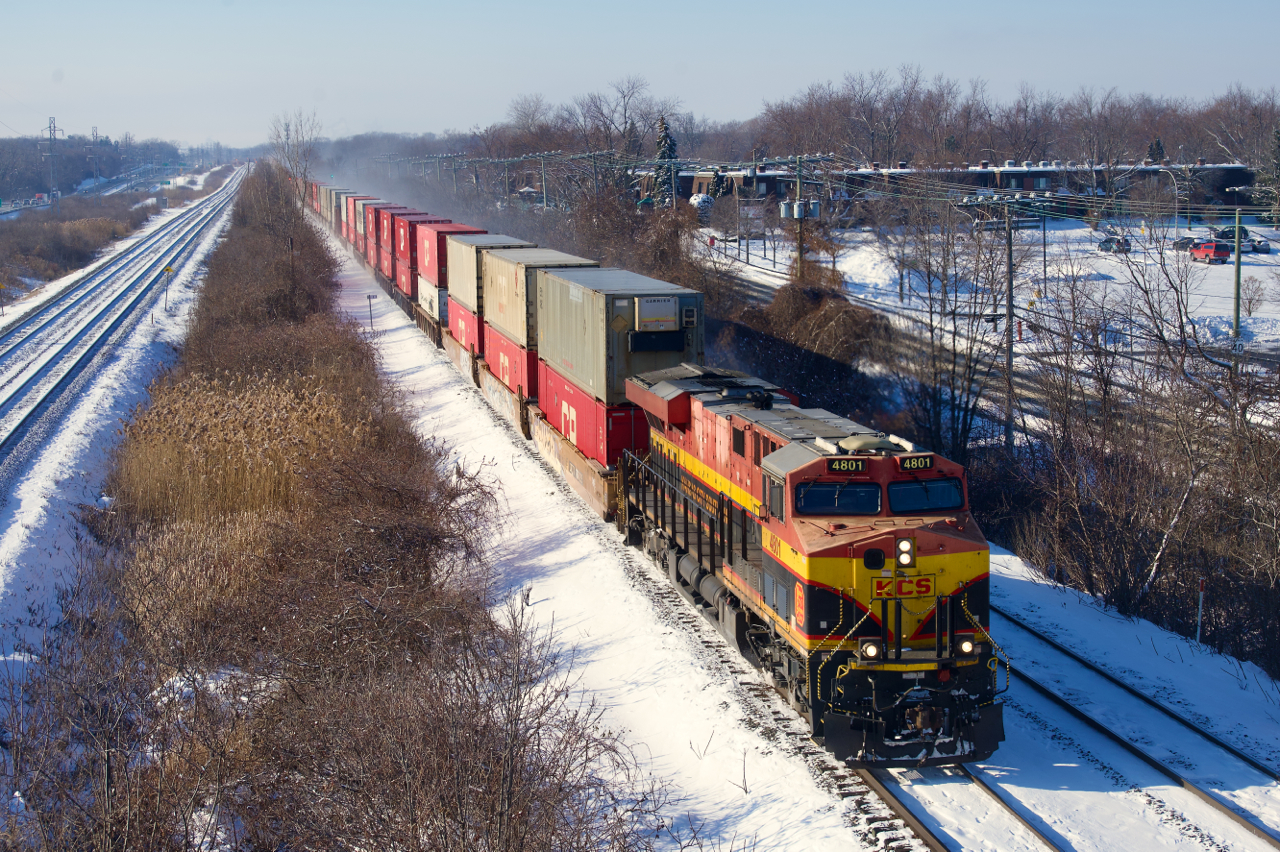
(1008, 329)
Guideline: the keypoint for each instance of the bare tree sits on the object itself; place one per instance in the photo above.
(293, 144)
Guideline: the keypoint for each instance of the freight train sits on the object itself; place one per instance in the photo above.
(843, 562)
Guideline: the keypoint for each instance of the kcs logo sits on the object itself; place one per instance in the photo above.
(903, 587)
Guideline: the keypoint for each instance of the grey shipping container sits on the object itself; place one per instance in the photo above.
(465, 266)
(338, 200)
(360, 212)
(596, 327)
(511, 289)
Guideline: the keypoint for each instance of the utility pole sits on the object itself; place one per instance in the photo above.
(799, 220)
(1008, 329)
(93, 155)
(543, 158)
(1235, 327)
(53, 169)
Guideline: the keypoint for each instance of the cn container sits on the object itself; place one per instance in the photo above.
(510, 287)
(598, 326)
(466, 266)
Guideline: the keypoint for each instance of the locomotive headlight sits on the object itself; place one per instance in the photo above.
(870, 651)
(906, 552)
(965, 647)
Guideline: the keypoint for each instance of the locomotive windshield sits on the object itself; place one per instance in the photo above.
(838, 498)
(925, 495)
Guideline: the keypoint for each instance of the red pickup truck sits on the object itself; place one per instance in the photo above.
(1211, 251)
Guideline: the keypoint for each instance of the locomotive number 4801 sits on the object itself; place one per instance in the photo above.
(915, 463)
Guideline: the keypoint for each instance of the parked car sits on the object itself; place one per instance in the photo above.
(1260, 245)
(1229, 234)
(1212, 251)
(1185, 243)
(1115, 245)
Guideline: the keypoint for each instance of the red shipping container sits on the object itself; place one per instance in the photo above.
(433, 254)
(350, 222)
(515, 367)
(599, 431)
(387, 264)
(406, 279)
(466, 328)
(371, 230)
(406, 226)
(387, 228)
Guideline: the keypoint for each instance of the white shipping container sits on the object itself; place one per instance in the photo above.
(466, 266)
(511, 288)
(434, 300)
(590, 332)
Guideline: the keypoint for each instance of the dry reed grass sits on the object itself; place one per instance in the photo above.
(210, 447)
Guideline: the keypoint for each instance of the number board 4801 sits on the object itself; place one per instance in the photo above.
(846, 465)
(913, 463)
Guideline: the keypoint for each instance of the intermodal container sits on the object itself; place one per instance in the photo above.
(466, 328)
(466, 266)
(387, 264)
(361, 217)
(387, 226)
(598, 326)
(406, 248)
(433, 266)
(372, 226)
(353, 224)
(338, 208)
(599, 431)
(515, 366)
(510, 287)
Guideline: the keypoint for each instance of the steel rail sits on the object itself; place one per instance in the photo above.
(871, 777)
(1239, 817)
(100, 329)
(95, 280)
(1252, 761)
(990, 790)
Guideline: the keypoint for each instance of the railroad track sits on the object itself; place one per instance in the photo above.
(48, 351)
(1231, 782)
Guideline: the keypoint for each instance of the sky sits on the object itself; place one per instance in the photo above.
(219, 70)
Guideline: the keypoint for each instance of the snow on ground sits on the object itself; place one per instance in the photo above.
(670, 701)
(683, 716)
(38, 529)
(870, 275)
(680, 707)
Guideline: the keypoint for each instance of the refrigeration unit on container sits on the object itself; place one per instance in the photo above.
(433, 266)
(352, 224)
(596, 327)
(515, 366)
(406, 249)
(599, 431)
(466, 328)
(465, 265)
(510, 286)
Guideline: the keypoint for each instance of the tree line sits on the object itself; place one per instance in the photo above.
(879, 116)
